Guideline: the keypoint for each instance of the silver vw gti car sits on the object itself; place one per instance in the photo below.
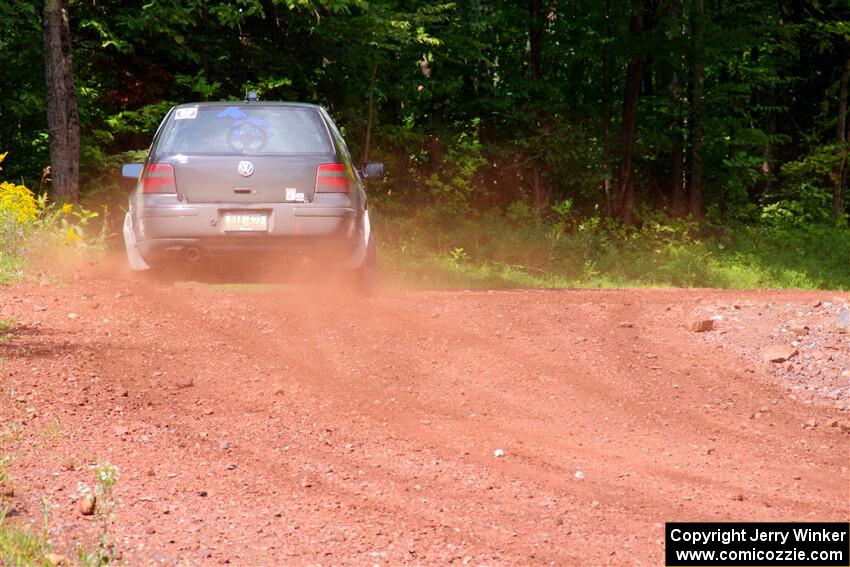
(250, 179)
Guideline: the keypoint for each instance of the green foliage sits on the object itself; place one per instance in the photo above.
(140, 121)
(468, 113)
(520, 213)
(805, 197)
(23, 114)
(106, 476)
(6, 326)
(198, 84)
(21, 545)
(5, 460)
(494, 250)
(18, 211)
(30, 225)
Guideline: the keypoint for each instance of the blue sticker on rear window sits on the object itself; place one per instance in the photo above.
(231, 112)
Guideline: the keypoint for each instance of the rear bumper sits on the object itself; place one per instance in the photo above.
(325, 233)
(206, 221)
(159, 250)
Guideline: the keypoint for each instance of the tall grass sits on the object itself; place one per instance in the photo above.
(33, 227)
(439, 240)
(517, 250)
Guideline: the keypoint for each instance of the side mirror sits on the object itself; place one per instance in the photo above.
(132, 170)
(373, 170)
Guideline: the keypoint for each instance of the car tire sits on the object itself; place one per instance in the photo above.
(158, 274)
(366, 275)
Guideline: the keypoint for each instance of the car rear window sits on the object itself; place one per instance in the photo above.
(254, 130)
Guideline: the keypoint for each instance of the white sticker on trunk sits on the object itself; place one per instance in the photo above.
(290, 193)
(186, 114)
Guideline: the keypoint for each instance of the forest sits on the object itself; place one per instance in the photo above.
(537, 142)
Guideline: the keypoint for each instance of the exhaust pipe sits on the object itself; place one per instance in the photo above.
(192, 253)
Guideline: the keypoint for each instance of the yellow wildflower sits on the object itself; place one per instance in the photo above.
(67, 208)
(71, 235)
(17, 202)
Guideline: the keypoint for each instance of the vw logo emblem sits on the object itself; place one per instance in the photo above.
(246, 168)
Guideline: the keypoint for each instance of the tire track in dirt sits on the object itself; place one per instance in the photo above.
(363, 430)
(230, 336)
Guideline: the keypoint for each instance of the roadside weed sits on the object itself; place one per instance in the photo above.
(6, 326)
(106, 476)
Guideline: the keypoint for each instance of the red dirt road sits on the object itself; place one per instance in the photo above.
(336, 430)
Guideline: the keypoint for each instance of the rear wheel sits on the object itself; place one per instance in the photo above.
(366, 275)
(165, 274)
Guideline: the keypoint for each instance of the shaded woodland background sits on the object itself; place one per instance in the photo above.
(708, 107)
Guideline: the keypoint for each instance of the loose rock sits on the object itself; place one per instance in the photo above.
(7, 490)
(702, 326)
(88, 503)
(778, 353)
(842, 320)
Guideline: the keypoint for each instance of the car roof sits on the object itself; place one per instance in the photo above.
(251, 103)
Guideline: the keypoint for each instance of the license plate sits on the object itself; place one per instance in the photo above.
(246, 222)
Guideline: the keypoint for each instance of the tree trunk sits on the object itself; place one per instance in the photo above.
(536, 27)
(771, 122)
(650, 16)
(841, 138)
(606, 112)
(368, 142)
(625, 182)
(697, 83)
(63, 121)
(535, 38)
(436, 149)
(677, 158)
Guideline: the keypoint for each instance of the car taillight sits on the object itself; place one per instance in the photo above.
(332, 178)
(159, 178)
